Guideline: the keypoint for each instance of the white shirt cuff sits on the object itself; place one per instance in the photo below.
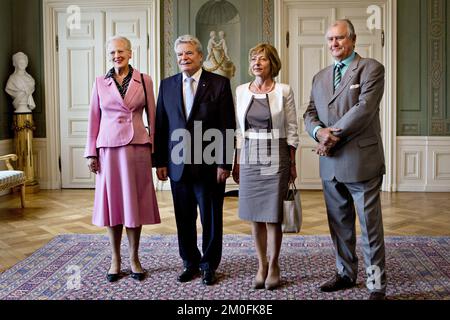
(315, 132)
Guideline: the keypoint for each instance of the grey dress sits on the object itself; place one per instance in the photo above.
(265, 168)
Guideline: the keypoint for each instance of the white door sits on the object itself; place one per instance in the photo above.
(82, 57)
(308, 53)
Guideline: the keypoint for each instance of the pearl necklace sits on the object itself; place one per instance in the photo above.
(258, 90)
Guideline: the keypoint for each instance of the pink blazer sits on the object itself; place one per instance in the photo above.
(115, 122)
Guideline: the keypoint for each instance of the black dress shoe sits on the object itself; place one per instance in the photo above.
(209, 277)
(377, 296)
(337, 283)
(139, 276)
(188, 274)
(112, 277)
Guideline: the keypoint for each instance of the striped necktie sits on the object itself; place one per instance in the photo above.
(338, 74)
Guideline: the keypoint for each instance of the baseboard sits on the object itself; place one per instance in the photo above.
(409, 188)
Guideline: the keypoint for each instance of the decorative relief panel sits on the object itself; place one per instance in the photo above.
(78, 128)
(436, 65)
(410, 129)
(80, 63)
(312, 26)
(442, 165)
(129, 29)
(437, 127)
(169, 67)
(267, 21)
(411, 165)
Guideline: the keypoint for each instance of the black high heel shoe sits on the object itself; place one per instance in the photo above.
(112, 277)
(139, 276)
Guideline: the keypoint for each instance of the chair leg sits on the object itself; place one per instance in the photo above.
(22, 195)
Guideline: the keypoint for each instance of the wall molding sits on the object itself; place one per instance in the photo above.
(267, 21)
(169, 68)
(436, 67)
(423, 164)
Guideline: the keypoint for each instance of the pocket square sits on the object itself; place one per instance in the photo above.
(354, 86)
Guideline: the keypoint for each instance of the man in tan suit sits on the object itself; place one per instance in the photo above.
(343, 117)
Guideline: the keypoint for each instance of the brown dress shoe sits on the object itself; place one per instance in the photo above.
(377, 296)
(337, 283)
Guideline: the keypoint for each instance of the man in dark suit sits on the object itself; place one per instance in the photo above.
(343, 116)
(193, 106)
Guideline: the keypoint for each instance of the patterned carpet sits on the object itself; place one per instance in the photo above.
(418, 268)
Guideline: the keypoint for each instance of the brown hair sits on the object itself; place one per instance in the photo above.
(271, 54)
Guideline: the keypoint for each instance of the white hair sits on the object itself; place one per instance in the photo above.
(119, 38)
(187, 38)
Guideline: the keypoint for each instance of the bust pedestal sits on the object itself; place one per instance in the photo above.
(23, 127)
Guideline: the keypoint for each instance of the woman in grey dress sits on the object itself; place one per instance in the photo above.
(267, 139)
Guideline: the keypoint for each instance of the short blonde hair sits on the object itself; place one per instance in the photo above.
(271, 54)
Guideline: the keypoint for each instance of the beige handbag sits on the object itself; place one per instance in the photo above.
(292, 210)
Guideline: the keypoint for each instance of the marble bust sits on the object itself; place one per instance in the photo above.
(21, 85)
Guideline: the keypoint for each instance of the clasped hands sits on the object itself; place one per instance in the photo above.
(327, 140)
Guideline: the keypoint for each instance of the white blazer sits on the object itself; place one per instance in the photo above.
(282, 110)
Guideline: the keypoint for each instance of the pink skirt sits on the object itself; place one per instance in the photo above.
(124, 191)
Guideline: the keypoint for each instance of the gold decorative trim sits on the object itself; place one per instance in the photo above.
(168, 38)
(27, 125)
(436, 63)
(267, 23)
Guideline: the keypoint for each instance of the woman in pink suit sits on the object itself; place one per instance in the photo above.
(119, 152)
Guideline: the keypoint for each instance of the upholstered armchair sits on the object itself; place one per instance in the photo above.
(12, 178)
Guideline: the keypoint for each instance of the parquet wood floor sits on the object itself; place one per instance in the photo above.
(49, 213)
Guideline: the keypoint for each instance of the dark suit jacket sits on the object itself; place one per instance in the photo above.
(213, 108)
(354, 108)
